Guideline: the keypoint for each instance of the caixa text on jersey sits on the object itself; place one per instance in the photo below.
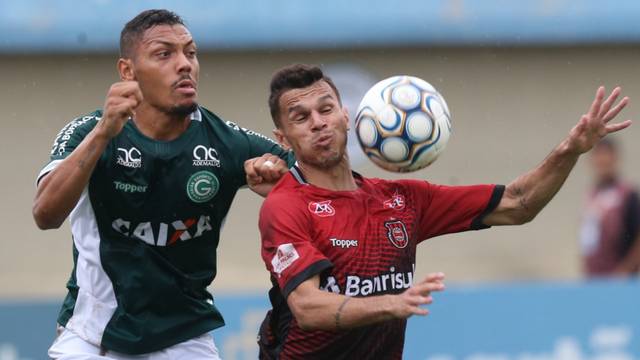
(164, 234)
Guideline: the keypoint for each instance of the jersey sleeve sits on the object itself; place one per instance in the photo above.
(68, 139)
(287, 250)
(260, 144)
(450, 209)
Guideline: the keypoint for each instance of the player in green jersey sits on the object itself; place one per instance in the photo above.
(147, 182)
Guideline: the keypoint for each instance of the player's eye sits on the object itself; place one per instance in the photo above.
(300, 118)
(191, 53)
(163, 54)
(326, 109)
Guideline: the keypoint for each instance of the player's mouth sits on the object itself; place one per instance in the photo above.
(323, 140)
(186, 87)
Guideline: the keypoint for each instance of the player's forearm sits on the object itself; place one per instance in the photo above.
(59, 191)
(528, 194)
(333, 312)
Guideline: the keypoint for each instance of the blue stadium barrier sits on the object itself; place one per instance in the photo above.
(557, 321)
(94, 25)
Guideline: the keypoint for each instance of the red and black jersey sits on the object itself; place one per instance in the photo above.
(361, 243)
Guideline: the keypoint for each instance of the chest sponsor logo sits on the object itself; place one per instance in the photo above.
(397, 233)
(131, 158)
(343, 243)
(391, 281)
(161, 233)
(205, 156)
(284, 257)
(129, 188)
(202, 186)
(322, 208)
(396, 202)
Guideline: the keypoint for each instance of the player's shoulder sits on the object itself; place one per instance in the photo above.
(83, 122)
(230, 127)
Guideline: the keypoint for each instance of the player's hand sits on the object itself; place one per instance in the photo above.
(122, 99)
(264, 172)
(409, 302)
(594, 125)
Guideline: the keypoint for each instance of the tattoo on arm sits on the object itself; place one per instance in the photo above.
(521, 198)
(339, 313)
(83, 162)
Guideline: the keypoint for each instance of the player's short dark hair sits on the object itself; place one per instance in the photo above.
(147, 19)
(295, 76)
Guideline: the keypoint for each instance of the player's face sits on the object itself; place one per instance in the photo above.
(314, 125)
(166, 67)
(604, 162)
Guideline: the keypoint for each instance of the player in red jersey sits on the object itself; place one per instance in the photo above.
(341, 247)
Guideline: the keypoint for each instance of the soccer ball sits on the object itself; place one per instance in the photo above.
(403, 124)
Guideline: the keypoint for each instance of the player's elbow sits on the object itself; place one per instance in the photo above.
(44, 218)
(305, 313)
(522, 217)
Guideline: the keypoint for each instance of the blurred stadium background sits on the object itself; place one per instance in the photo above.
(516, 75)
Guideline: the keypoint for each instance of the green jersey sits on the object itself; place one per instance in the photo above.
(146, 229)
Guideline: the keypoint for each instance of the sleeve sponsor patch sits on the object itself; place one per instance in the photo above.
(285, 255)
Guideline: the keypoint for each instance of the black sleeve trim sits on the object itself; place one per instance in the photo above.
(496, 196)
(312, 270)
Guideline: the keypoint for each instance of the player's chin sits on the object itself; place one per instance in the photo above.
(184, 107)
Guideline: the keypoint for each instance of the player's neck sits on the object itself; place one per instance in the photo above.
(159, 125)
(337, 178)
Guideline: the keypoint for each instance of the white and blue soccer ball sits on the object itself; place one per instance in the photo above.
(403, 124)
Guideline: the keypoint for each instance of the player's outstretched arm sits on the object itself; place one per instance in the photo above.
(59, 191)
(317, 309)
(525, 197)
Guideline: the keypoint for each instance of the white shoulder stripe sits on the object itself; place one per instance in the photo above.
(47, 169)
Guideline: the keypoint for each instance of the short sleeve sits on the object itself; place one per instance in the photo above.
(449, 209)
(287, 250)
(68, 139)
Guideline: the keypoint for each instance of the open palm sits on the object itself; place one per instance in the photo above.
(594, 125)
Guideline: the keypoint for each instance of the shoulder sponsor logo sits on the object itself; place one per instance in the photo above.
(129, 188)
(234, 126)
(397, 233)
(161, 233)
(322, 208)
(60, 143)
(343, 243)
(131, 157)
(396, 202)
(205, 156)
(202, 186)
(285, 255)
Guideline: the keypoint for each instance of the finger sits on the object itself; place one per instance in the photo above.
(272, 168)
(434, 276)
(249, 168)
(420, 311)
(595, 106)
(606, 105)
(427, 288)
(617, 127)
(616, 109)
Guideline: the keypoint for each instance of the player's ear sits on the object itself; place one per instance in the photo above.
(125, 69)
(281, 139)
(345, 112)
